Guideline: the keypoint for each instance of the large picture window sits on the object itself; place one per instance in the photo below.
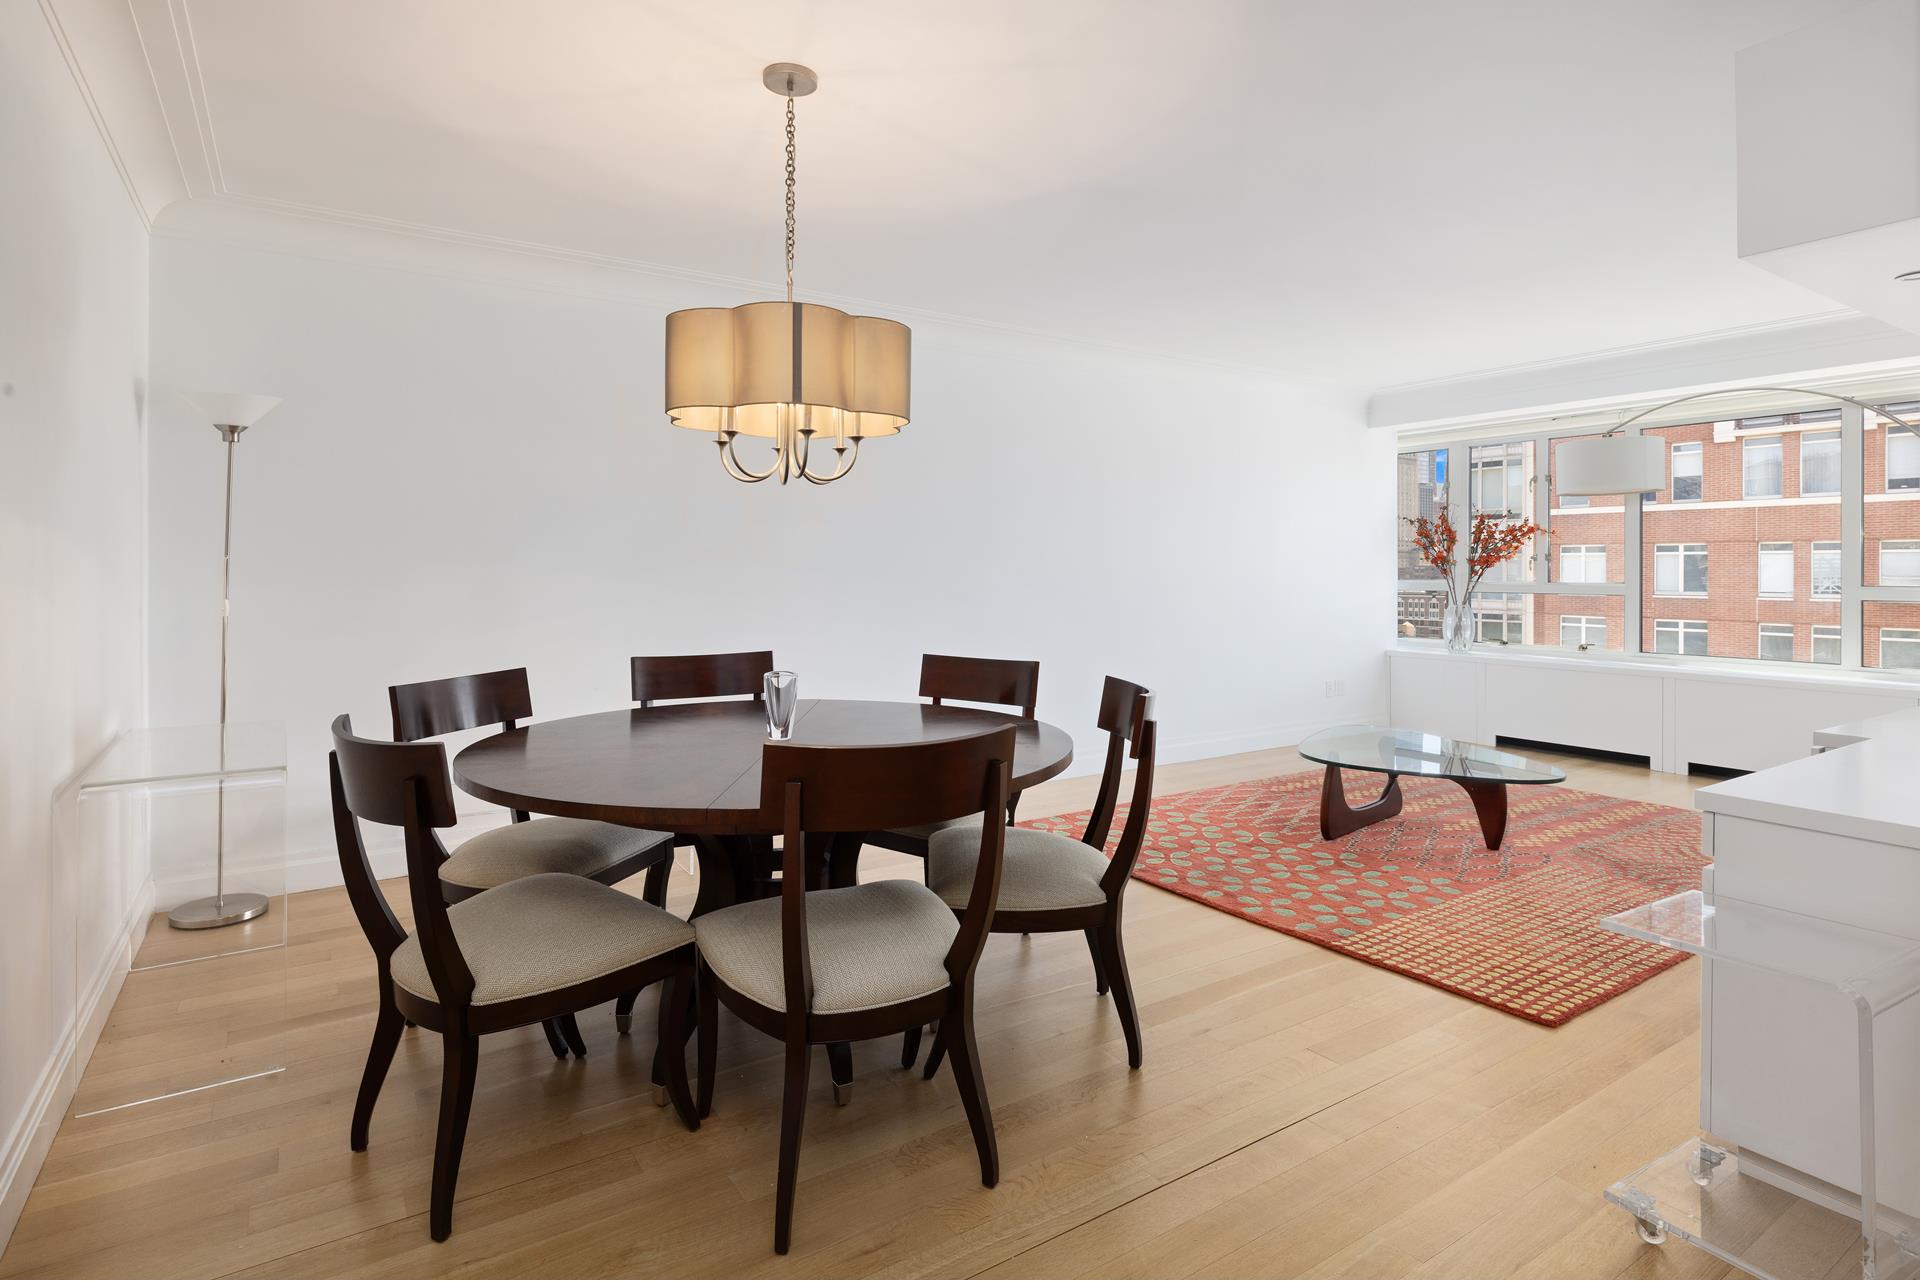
(1788, 537)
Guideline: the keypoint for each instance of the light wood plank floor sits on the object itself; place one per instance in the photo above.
(1300, 1113)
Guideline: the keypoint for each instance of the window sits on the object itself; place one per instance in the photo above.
(1583, 563)
(1900, 647)
(1503, 486)
(1688, 456)
(1826, 571)
(1760, 467)
(1583, 629)
(1776, 641)
(1500, 618)
(1826, 644)
(1420, 614)
(1676, 636)
(1423, 492)
(1900, 563)
(1776, 571)
(1903, 457)
(1680, 569)
(1820, 462)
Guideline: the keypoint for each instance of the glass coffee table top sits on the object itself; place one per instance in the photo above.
(1406, 751)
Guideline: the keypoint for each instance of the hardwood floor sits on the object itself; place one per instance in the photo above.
(1300, 1113)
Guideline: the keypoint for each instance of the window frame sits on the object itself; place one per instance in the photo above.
(1827, 631)
(1681, 629)
(1680, 552)
(1586, 623)
(1586, 552)
(1748, 445)
(1761, 552)
(1772, 631)
(1821, 437)
(1911, 545)
(1696, 449)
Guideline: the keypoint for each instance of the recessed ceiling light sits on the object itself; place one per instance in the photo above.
(1908, 275)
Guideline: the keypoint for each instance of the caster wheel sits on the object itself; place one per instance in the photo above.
(1650, 1232)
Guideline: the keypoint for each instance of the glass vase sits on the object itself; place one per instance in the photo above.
(1456, 626)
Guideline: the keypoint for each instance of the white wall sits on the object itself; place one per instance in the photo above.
(471, 470)
(73, 346)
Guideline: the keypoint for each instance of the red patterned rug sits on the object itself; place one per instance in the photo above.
(1422, 895)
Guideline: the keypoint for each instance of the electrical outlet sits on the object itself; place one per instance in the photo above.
(1336, 689)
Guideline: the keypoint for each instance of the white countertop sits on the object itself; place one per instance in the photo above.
(1866, 784)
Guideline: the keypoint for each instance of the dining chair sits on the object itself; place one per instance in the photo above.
(861, 961)
(686, 677)
(603, 852)
(1051, 882)
(999, 682)
(530, 950)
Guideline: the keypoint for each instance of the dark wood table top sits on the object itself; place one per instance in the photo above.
(695, 767)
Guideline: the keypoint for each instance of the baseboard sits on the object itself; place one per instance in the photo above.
(32, 1132)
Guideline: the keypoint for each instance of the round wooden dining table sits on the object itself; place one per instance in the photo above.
(694, 769)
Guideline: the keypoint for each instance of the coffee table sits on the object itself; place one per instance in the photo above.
(1482, 772)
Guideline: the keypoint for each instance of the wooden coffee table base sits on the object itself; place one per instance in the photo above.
(1337, 818)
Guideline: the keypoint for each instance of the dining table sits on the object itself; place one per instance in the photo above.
(694, 769)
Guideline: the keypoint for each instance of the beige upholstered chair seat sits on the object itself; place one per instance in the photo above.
(576, 846)
(542, 933)
(1042, 871)
(871, 945)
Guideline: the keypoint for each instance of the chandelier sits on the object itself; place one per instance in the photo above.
(794, 373)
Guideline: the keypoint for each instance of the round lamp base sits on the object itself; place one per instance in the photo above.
(211, 913)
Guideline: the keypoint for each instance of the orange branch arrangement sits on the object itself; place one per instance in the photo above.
(1493, 539)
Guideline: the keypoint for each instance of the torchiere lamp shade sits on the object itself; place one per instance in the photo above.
(738, 368)
(232, 408)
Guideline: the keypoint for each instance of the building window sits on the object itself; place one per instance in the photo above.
(1500, 618)
(1776, 570)
(1820, 462)
(1826, 644)
(1682, 636)
(1900, 647)
(1583, 629)
(1760, 467)
(1900, 563)
(1680, 569)
(1826, 571)
(1687, 458)
(1903, 458)
(1776, 641)
(1583, 563)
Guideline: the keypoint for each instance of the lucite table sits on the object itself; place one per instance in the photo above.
(1482, 772)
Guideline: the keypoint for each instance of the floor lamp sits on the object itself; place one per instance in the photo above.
(230, 413)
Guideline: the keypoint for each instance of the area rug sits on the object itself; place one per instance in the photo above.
(1421, 894)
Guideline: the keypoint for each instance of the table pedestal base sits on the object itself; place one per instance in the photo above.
(1338, 818)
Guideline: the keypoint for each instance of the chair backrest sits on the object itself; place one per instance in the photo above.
(427, 709)
(825, 789)
(404, 785)
(664, 676)
(1005, 682)
(1126, 713)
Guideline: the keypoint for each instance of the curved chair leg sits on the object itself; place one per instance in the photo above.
(1099, 965)
(654, 888)
(460, 1060)
(570, 1029)
(623, 1013)
(1115, 956)
(956, 1030)
(936, 1052)
(910, 1047)
(708, 999)
(555, 1041)
(793, 1114)
(386, 1037)
(674, 1000)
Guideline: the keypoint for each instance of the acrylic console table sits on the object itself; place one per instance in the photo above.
(1700, 1191)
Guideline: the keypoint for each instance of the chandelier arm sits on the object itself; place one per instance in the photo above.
(849, 455)
(730, 460)
(1735, 391)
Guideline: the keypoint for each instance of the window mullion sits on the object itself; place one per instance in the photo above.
(1853, 530)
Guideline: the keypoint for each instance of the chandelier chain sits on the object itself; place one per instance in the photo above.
(790, 169)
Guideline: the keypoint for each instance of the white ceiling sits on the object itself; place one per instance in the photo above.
(1354, 192)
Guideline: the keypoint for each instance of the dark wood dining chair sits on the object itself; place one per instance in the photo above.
(862, 961)
(946, 678)
(603, 852)
(531, 950)
(1051, 882)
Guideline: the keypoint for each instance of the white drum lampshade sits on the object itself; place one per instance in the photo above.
(1610, 465)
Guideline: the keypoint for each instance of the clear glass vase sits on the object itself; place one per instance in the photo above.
(1456, 625)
